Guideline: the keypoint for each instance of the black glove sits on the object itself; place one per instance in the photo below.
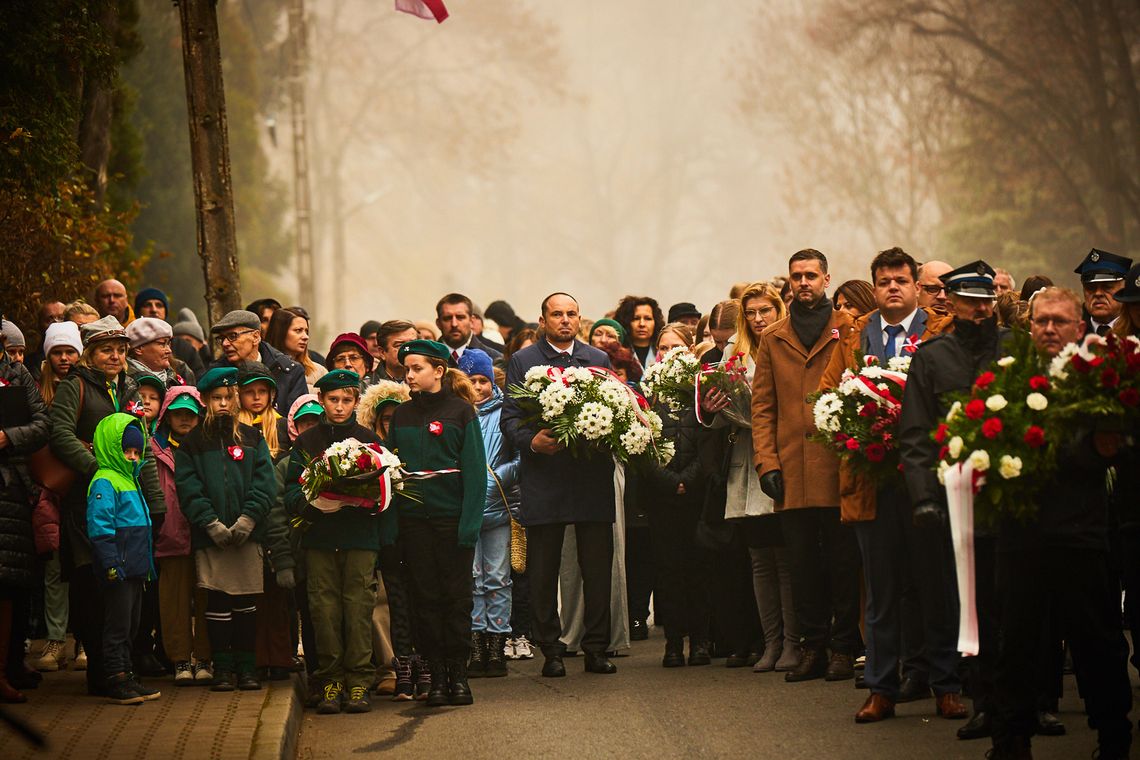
(772, 483)
(929, 514)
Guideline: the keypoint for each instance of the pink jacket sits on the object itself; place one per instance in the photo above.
(174, 536)
(45, 522)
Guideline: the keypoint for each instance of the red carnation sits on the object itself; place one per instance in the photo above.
(840, 437)
(869, 409)
(943, 452)
(1109, 378)
(976, 409)
(991, 428)
(984, 380)
(1130, 397)
(887, 438)
(1096, 361)
(1079, 364)
(1039, 383)
(875, 452)
(1034, 437)
(1132, 359)
(940, 433)
(852, 444)
(363, 462)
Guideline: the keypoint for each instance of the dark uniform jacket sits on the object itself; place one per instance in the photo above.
(17, 547)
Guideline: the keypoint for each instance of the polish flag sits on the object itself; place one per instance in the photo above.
(427, 9)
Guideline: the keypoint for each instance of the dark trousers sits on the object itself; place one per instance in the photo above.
(1128, 558)
(308, 635)
(980, 671)
(683, 607)
(1081, 588)
(895, 555)
(520, 604)
(275, 619)
(913, 648)
(736, 621)
(85, 597)
(640, 569)
(148, 637)
(825, 578)
(595, 541)
(122, 608)
(393, 572)
(439, 574)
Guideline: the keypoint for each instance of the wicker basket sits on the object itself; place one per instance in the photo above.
(518, 547)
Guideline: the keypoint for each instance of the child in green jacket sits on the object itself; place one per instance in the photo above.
(439, 430)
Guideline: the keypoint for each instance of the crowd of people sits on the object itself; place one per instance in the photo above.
(152, 502)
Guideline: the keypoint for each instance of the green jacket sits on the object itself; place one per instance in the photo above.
(215, 482)
(437, 431)
(348, 528)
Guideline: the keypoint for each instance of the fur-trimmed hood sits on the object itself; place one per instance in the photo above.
(374, 395)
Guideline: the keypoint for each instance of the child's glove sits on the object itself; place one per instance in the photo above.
(116, 574)
(285, 578)
(219, 534)
(241, 529)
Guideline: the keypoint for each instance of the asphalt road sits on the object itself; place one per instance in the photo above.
(647, 711)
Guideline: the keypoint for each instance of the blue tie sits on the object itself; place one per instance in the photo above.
(893, 332)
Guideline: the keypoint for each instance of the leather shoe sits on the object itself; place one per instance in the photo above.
(1049, 724)
(840, 668)
(912, 689)
(553, 667)
(950, 706)
(638, 630)
(813, 665)
(861, 681)
(977, 727)
(674, 654)
(876, 708)
(599, 663)
(699, 654)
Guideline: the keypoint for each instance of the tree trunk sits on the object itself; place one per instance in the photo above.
(96, 111)
(210, 155)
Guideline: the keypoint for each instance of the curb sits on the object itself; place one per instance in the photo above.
(275, 737)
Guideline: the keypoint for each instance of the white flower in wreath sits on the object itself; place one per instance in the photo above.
(899, 364)
(943, 466)
(955, 410)
(594, 421)
(1009, 467)
(1036, 401)
(1005, 361)
(980, 458)
(996, 403)
(954, 447)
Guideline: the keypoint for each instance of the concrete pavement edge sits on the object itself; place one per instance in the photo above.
(280, 722)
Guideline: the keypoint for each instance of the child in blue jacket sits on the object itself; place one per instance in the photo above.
(118, 524)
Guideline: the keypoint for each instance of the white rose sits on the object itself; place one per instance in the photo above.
(996, 402)
(955, 447)
(943, 466)
(980, 459)
(1005, 361)
(1036, 401)
(1009, 467)
(955, 410)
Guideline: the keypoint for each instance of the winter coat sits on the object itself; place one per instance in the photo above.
(118, 521)
(178, 373)
(347, 528)
(438, 431)
(72, 429)
(17, 545)
(214, 485)
(557, 488)
(787, 374)
(857, 492)
(503, 464)
(660, 483)
(281, 541)
(45, 522)
(287, 373)
(174, 534)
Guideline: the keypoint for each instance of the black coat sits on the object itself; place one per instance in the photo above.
(560, 488)
(17, 546)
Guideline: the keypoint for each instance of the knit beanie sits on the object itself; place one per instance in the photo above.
(187, 324)
(475, 361)
(150, 294)
(62, 334)
(13, 337)
(132, 437)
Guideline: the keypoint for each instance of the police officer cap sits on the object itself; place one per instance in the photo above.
(429, 348)
(1102, 266)
(1130, 293)
(974, 280)
(218, 377)
(337, 379)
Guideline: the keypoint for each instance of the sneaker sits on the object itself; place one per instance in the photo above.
(51, 657)
(522, 649)
(80, 661)
(148, 695)
(358, 701)
(183, 674)
(120, 692)
(331, 699)
(421, 674)
(509, 649)
(203, 674)
(405, 690)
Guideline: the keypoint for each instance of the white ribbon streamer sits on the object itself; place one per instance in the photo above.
(960, 502)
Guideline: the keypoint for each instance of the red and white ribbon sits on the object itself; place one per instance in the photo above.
(960, 501)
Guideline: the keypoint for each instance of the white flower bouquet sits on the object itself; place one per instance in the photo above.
(670, 381)
(591, 408)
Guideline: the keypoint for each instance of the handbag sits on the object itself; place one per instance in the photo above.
(46, 469)
(518, 532)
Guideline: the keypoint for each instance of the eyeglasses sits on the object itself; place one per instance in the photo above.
(766, 312)
(934, 289)
(234, 336)
(347, 358)
(1044, 322)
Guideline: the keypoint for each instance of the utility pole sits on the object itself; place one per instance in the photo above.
(303, 229)
(210, 155)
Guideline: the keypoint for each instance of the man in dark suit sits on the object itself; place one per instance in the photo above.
(559, 490)
(453, 317)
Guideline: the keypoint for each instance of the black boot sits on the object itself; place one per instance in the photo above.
(496, 660)
(674, 653)
(437, 694)
(458, 691)
(477, 666)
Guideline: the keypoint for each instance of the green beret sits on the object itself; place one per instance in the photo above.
(610, 323)
(308, 408)
(430, 348)
(337, 379)
(152, 381)
(218, 377)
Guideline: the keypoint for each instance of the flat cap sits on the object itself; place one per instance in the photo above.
(143, 330)
(237, 318)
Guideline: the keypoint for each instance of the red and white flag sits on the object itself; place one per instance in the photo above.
(427, 9)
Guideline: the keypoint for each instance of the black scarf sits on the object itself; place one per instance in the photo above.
(980, 339)
(809, 321)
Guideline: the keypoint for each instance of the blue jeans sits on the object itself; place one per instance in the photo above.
(492, 573)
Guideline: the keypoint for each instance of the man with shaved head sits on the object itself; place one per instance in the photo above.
(931, 293)
(111, 300)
